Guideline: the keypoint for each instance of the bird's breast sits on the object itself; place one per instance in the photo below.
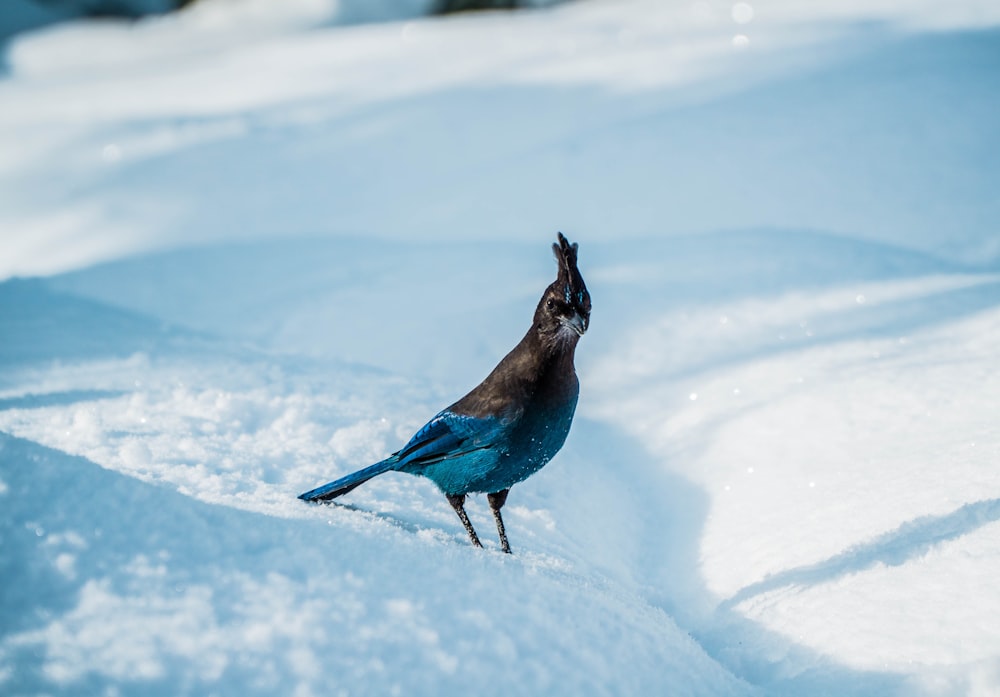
(543, 430)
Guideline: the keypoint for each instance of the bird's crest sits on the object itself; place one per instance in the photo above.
(569, 279)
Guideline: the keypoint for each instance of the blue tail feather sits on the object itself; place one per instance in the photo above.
(344, 484)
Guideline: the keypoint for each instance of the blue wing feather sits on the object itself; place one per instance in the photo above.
(449, 435)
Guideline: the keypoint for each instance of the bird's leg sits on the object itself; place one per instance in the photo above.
(457, 502)
(497, 500)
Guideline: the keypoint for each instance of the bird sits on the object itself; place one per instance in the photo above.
(511, 424)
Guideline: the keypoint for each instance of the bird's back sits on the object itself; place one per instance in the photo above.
(526, 405)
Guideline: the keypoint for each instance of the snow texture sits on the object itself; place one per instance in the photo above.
(241, 258)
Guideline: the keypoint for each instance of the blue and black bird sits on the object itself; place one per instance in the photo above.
(509, 426)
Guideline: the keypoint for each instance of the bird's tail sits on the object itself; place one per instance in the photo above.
(344, 484)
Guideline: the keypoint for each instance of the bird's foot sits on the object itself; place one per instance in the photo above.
(497, 500)
(457, 502)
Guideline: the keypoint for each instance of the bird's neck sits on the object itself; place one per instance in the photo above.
(537, 364)
(533, 370)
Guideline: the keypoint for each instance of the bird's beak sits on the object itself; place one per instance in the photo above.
(577, 323)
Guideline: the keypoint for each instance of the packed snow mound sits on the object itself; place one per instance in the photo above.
(165, 592)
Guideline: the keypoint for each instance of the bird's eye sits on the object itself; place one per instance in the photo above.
(549, 304)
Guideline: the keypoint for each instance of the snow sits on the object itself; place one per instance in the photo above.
(241, 258)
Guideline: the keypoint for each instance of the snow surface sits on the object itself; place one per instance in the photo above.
(242, 258)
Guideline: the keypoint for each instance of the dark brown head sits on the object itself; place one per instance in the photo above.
(563, 313)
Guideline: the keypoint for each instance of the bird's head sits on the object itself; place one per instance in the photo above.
(563, 313)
